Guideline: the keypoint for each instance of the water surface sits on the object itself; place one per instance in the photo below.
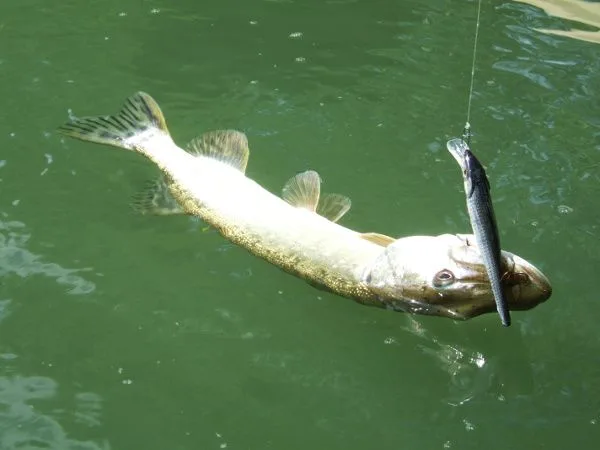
(127, 332)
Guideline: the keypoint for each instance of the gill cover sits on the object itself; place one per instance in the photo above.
(414, 274)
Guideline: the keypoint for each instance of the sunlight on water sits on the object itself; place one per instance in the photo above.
(469, 372)
(24, 426)
(15, 259)
(136, 332)
(584, 12)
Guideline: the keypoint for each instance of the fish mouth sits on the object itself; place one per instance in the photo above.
(526, 284)
(449, 279)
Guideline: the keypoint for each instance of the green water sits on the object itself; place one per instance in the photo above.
(127, 332)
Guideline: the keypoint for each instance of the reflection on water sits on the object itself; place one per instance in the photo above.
(467, 369)
(584, 12)
(23, 426)
(474, 369)
(15, 259)
(4, 309)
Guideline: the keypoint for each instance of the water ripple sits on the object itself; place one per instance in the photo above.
(526, 69)
(16, 260)
(23, 426)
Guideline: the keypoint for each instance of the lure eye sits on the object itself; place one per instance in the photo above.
(443, 278)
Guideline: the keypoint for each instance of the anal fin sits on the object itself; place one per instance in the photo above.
(228, 146)
(377, 238)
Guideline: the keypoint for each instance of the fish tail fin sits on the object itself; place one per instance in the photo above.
(139, 121)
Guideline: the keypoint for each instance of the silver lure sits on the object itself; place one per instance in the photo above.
(483, 220)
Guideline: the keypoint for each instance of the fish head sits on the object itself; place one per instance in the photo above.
(445, 276)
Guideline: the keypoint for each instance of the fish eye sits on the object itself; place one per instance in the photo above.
(443, 278)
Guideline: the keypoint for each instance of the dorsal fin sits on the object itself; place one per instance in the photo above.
(228, 146)
(303, 190)
(377, 238)
(156, 199)
(333, 206)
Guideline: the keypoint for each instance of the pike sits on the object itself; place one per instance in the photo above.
(483, 220)
(298, 232)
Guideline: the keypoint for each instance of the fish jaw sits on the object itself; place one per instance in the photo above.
(445, 276)
(527, 285)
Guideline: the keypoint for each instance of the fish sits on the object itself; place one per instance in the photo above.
(298, 231)
(483, 220)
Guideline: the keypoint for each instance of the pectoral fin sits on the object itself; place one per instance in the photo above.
(303, 190)
(377, 238)
(228, 146)
(156, 199)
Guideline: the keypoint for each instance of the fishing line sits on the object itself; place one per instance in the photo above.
(467, 129)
